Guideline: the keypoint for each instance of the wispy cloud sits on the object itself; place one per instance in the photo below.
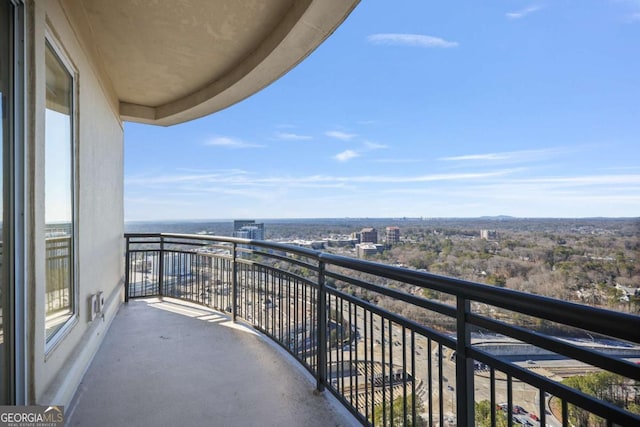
(203, 177)
(351, 154)
(343, 136)
(431, 177)
(398, 160)
(632, 14)
(416, 40)
(368, 145)
(587, 180)
(234, 171)
(489, 156)
(246, 179)
(226, 178)
(466, 193)
(522, 13)
(227, 142)
(292, 136)
(507, 156)
(346, 155)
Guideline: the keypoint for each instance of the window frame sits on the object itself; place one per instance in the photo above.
(52, 341)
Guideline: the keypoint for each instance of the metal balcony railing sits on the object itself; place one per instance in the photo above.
(401, 347)
(58, 273)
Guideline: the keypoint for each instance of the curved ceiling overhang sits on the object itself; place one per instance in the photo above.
(169, 62)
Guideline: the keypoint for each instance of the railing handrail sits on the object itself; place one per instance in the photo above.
(619, 325)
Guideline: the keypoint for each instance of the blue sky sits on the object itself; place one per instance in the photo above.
(420, 109)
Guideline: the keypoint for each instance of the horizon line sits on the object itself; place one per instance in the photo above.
(402, 218)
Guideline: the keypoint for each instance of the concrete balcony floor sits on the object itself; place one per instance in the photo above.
(170, 363)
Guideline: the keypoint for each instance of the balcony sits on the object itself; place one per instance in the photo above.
(394, 346)
(166, 362)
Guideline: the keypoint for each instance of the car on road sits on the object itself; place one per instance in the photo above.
(519, 410)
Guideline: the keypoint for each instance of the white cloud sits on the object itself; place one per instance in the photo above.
(634, 17)
(374, 146)
(208, 171)
(589, 180)
(245, 179)
(217, 176)
(430, 177)
(227, 142)
(462, 193)
(417, 40)
(292, 136)
(343, 136)
(489, 156)
(522, 13)
(506, 156)
(398, 160)
(346, 155)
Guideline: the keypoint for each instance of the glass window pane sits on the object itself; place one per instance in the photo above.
(59, 217)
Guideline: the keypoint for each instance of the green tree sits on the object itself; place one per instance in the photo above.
(399, 409)
(483, 415)
(496, 280)
(602, 385)
(430, 293)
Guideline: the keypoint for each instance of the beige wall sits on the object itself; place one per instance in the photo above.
(55, 375)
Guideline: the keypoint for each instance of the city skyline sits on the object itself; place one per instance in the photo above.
(419, 110)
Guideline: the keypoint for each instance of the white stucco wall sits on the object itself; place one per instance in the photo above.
(55, 375)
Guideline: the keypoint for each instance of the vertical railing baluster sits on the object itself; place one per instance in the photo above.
(542, 409)
(492, 394)
(234, 282)
(464, 366)
(161, 267)
(509, 400)
(440, 387)
(321, 327)
(126, 270)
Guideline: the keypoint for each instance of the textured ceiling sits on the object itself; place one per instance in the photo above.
(170, 61)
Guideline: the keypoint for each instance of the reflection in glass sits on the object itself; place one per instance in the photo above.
(59, 221)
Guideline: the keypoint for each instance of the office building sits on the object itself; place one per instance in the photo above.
(248, 229)
(392, 235)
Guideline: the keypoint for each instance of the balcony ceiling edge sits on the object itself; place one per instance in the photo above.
(301, 29)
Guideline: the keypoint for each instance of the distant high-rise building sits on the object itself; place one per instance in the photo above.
(392, 235)
(248, 229)
(369, 235)
(489, 234)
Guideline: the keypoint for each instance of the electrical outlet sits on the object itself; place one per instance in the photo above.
(93, 307)
(100, 296)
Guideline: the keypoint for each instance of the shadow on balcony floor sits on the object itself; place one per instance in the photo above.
(170, 363)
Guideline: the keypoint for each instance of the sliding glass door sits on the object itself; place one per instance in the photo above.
(12, 296)
(5, 235)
